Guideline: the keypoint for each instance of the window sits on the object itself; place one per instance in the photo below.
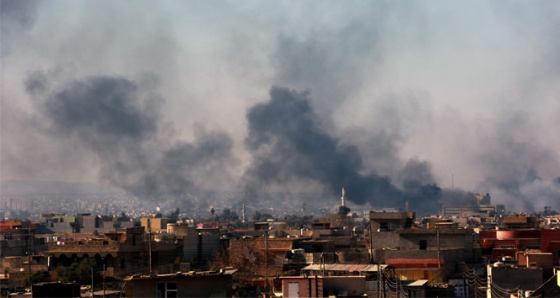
(423, 244)
(508, 246)
(384, 226)
(166, 290)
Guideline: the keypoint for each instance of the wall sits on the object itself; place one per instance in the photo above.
(311, 286)
(511, 278)
(344, 285)
(199, 285)
(201, 247)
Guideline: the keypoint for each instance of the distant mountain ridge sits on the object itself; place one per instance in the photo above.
(22, 187)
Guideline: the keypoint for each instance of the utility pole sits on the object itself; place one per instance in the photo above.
(370, 243)
(438, 252)
(103, 278)
(149, 245)
(378, 280)
(266, 258)
(384, 285)
(323, 262)
(91, 281)
(29, 266)
(28, 255)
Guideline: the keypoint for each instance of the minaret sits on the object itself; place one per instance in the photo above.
(243, 213)
(343, 198)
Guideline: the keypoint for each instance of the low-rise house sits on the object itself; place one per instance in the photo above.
(498, 243)
(191, 284)
(56, 289)
(120, 253)
(323, 286)
(505, 279)
(416, 269)
(395, 236)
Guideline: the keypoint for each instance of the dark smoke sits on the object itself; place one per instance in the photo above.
(512, 163)
(417, 171)
(119, 121)
(458, 198)
(16, 16)
(106, 107)
(288, 143)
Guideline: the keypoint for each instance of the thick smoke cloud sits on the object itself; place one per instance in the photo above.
(119, 121)
(288, 143)
(108, 107)
(16, 16)
(513, 164)
(412, 91)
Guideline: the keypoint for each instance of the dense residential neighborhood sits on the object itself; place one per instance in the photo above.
(478, 250)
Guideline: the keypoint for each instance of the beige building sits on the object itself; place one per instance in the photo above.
(154, 223)
(121, 253)
(323, 286)
(190, 284)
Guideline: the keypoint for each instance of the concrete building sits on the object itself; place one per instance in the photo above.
(154, 223)
(498, 243)
(121, 253)
(323, 286)
(390, 221)
(394, 237)
(89, 223)
(201, 244)
(521, 221)
(370, 271)
(536, 259)
(506, 279)
(473, 206)
(198, 244)
(15, 240)
(56, 289)
(191, 284)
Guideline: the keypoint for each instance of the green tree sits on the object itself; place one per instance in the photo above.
(343, 211)
(80, 272)
(36, 277)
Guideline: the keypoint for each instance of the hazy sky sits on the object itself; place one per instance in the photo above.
(167, 94)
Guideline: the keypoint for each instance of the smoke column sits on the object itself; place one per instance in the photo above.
(287, 144)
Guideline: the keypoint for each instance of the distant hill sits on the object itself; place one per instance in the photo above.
(20, 187)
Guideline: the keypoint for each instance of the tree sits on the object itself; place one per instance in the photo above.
(243, 255)
(343, 211)
(36, 277)
(229, 215)
(257, 215)
(80, 272)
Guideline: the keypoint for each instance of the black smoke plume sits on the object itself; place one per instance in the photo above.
(287, 144)
(119, 121)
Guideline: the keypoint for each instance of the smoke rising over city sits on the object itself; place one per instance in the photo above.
(397, 102)
(288, 144)
(119, 121)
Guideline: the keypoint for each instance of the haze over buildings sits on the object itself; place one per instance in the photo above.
(387, 99)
